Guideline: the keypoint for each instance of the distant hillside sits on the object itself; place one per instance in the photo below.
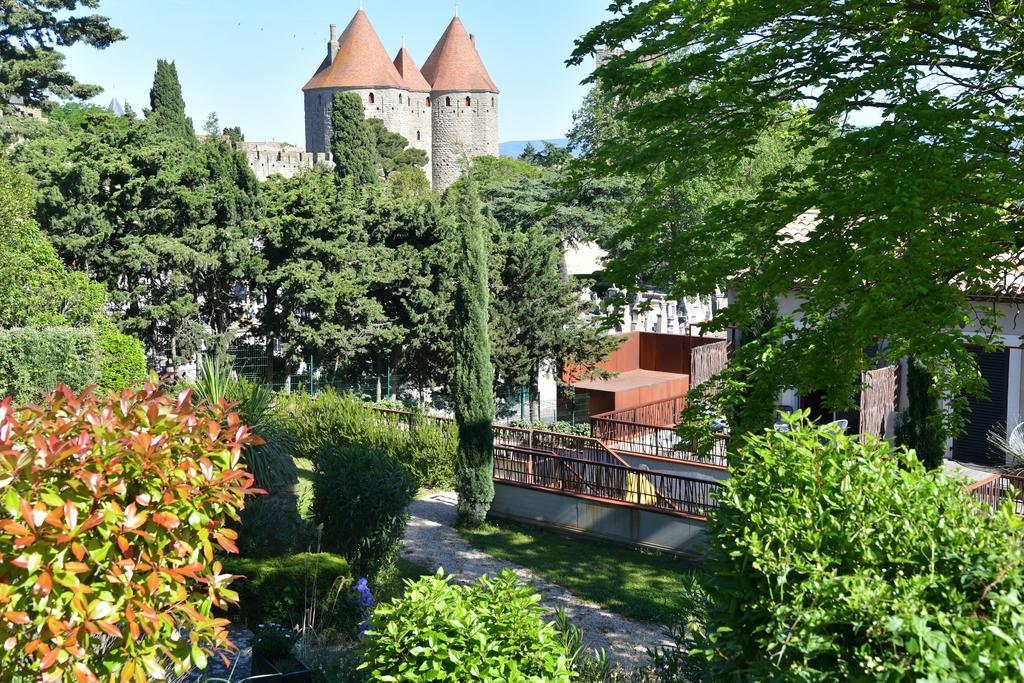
(515, 148)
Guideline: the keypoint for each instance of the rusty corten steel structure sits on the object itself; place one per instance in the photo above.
(647, 367)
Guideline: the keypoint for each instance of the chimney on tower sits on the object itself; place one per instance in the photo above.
(332, 46)
(472, 39)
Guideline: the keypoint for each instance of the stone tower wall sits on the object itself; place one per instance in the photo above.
(420, 127)
(485, 126)
(462, 132)
(402, 112)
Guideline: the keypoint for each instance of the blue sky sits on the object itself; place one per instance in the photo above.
(248, 59)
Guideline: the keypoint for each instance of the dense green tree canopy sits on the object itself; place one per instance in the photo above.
(917, 207)
(166, 224)
(35, 288)
(320, 267)
(31, 67)
(393, 150)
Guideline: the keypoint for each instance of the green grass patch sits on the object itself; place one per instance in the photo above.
(633, 583)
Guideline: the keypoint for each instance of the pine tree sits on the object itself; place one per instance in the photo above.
(353, 142)
(167, 103)
(31, 66)
(472, 377)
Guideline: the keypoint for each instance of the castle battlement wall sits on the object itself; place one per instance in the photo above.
(267, 159)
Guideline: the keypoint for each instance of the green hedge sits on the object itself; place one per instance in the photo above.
(286, 590)
(34, 361)
(843, 559)
(331, 419)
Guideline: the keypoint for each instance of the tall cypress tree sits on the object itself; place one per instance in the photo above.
(472, 376)
(167, 103)
(919, 427)
(353, 142)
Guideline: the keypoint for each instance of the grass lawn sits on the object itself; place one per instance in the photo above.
(629, 582)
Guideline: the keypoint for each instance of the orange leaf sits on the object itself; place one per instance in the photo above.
(167, 520)
(49, 659)
(83, 674)
(44, 584)
(110, 629)
(16, 617)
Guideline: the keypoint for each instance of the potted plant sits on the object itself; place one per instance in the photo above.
(272, 658)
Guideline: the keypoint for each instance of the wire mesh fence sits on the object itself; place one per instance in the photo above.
(306, 376)
(516, 404)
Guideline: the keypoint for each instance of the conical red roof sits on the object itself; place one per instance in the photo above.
(455, 64)
(412, 79)
(362, 61)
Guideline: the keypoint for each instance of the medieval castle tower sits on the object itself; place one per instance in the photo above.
(449, 109)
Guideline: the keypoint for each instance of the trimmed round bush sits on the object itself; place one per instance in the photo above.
(122, 359)
(34, 361)
(843, 559)
(360, 497)
(489, 631)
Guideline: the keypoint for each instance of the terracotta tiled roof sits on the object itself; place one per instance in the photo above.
(362, 61)
(455, 64)
(800, 229)
(412, 79)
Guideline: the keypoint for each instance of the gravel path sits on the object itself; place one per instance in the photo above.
(432, 541)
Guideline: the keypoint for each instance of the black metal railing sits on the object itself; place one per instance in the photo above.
(618, 483)
(993, 490)
(647, 439)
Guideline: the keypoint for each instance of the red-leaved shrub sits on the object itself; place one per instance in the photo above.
(111, 511)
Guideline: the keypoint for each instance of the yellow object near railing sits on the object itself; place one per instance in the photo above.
(640, 490)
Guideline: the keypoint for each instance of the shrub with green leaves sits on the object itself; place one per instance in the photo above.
(122, 359)
(489, 631)
(360, 497)
(844, 559)
(269, 529)
(559, 427)
(332, 419)
(33, 361)
(309, 589)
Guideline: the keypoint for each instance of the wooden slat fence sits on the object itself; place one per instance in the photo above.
(707, 361)
(877, 400)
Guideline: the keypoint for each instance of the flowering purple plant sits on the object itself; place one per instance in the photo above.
(366, 603)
